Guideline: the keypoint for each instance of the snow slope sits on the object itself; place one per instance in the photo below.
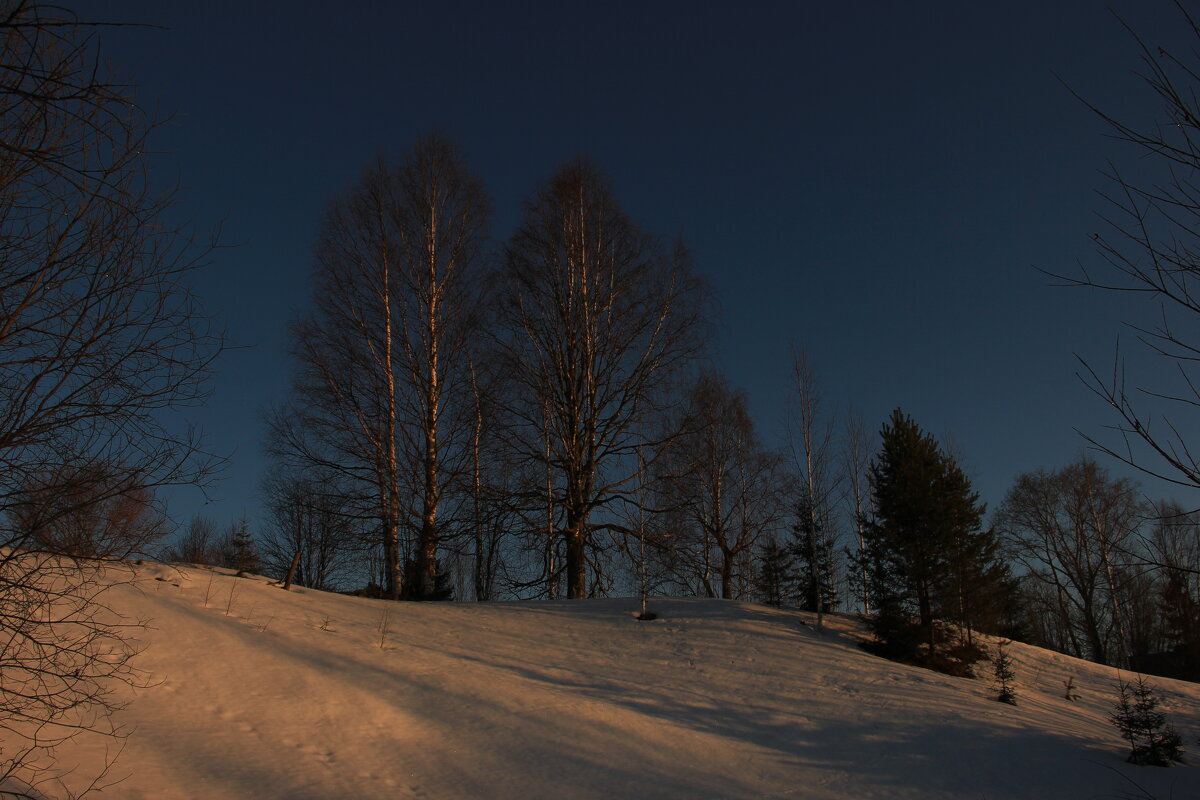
(290, 695)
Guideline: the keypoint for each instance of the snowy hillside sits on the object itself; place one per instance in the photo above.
(290, 695)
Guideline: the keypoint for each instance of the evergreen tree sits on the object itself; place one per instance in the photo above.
(442, 588)
(981, 592)
(1181, 627)
(238, 551)
(924, 549)
(1003, 671)
(1152, 741)
(815, 550)
(776, 573)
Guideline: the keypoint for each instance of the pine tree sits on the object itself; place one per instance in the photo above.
(1152, 741)
(980, 592)
(1002, 668)
(924, 550)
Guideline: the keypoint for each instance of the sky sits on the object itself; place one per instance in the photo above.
(877, 183)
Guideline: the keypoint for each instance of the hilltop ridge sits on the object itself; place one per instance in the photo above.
(306, 694)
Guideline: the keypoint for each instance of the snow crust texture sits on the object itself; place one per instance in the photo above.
(305, 695)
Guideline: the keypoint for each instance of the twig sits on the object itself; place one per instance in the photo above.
(232, 592)
(384, 625)
(208, 590)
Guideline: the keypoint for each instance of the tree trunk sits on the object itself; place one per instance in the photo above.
(392, 569)
(482, 574)
(291, 573)
(393, 558)
(727, 577)
(925, 609)
(427, 559)
(1095, 640)
(391, 477)
(576, 559)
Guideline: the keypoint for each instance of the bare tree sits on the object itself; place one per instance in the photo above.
(1151, 253)
(383, 394)
(1070, 530)
(493, 510)
(93, 511)
(597, 321)
(1175, 554)
(65, 653)
(721, 490)
(101, 345)
(857, 458)
(810, 442)
(441, 215)
(315, 522)
(198, 544)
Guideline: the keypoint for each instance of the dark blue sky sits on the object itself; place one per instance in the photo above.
(873, 181)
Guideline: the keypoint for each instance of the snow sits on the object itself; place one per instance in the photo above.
(291, 695)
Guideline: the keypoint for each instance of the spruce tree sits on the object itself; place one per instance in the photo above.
(1152, 741)
(1181, 626)
(239, 550)
(980, 592)
(442, 588)
(1003, 671)
(925, 553)
(776, 580)
(814, 548)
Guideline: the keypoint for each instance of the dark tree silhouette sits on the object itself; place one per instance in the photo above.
(101, 345)
(93, 511)
(1152, 742)
(598, 318)
(723, 489)
(924, 511)
(1070, 530)
(1150, 251)
(383, 392)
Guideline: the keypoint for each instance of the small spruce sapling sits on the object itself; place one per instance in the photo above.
(1152, 742)
(1002, 667)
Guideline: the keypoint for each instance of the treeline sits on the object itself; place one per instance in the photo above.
(535, 418)
(528, 419)
(1106, 574)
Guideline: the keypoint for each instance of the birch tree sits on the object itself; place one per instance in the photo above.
(810, 440)
(723, 489)
(857, 458)
(598, 320)
(1069, 529)
(383, 393)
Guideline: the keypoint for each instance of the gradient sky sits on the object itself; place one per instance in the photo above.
(876, 182)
